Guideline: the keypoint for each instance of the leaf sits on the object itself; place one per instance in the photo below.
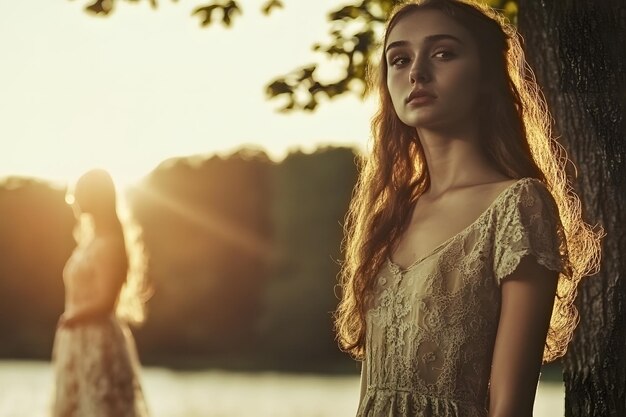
(207, 11)
(100, 7)
(315, 88)
(278, 87)
(271, 5)
(228, 11)
(307, 72)
(311, 105)
(347, 12)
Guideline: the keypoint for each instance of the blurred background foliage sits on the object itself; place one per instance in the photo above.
(353, 32)
(242, 256)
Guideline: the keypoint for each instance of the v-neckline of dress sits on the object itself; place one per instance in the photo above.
(446, 242)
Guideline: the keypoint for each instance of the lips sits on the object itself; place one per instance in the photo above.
(420, 96)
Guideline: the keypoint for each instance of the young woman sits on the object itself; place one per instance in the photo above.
(94, 355)
(464, 242)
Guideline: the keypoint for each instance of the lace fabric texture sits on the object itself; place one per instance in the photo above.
(96, 365)
(432, 328)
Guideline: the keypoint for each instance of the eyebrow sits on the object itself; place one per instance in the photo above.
(427, 39)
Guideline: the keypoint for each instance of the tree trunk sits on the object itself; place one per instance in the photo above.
(578, 51)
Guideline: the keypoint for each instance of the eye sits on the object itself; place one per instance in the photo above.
(398, 61)
(444, 54)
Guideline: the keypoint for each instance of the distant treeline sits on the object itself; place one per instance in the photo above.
(243, 259)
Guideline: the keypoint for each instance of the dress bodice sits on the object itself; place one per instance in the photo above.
(432, 327)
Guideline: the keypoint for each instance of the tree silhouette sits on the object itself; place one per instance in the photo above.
(577, 50)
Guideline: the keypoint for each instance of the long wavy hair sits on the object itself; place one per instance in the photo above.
(515, 125)
(96, 195)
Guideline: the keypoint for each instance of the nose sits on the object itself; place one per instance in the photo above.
(419, 72)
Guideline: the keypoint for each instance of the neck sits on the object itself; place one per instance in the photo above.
(455, 159)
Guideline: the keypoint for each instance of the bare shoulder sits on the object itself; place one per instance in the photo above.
(493, 189)
(481, 196)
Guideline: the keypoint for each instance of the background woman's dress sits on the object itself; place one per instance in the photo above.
(96, 362)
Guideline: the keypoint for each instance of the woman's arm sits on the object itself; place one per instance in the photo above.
(527, 299)
(109, 266)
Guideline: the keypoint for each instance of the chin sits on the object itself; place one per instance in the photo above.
(421, 121)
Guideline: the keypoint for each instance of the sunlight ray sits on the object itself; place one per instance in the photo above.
(221, 228)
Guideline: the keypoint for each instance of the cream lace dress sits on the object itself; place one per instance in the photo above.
(431, 331)
(95, 363)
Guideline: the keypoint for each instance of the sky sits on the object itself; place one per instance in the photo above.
(140, 86)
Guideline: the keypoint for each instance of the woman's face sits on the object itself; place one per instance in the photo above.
(433, 71)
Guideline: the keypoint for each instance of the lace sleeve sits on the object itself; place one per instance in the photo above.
(528, 224)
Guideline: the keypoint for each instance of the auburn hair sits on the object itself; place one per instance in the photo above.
(515, 125)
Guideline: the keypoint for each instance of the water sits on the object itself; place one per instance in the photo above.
(25, 389)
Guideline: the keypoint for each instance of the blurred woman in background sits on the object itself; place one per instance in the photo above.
(94, 355)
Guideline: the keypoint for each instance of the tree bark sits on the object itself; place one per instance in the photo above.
(578, 52)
